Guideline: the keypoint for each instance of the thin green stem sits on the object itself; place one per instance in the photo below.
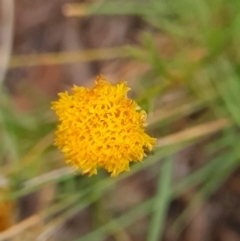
(161, 202)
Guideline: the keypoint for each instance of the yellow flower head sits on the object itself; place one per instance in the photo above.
(101, 127)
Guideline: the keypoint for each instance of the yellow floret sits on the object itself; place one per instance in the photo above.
(101, 127)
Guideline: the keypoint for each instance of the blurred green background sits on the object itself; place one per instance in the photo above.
(181, 59)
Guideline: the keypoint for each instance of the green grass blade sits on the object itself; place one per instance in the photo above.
(161, 201)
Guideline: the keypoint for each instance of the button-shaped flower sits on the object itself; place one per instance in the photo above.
(101, 127)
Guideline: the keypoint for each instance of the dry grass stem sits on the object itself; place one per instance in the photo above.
(66, 57)
(194, 132)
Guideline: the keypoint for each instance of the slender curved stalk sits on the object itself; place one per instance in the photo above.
(6, 37)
